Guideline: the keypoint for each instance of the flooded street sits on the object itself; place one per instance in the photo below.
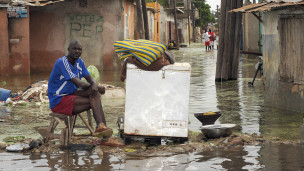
(238, 103)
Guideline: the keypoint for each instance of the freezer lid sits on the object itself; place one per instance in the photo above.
(176, 67)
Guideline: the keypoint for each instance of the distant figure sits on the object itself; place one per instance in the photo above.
(202, 33)
(63, 93)
(212, 38)
(206, 39)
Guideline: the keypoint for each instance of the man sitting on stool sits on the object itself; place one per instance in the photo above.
(63, 93)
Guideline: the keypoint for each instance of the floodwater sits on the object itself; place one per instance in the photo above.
(238, 103)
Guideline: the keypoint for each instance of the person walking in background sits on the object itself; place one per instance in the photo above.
(206, 40)
(212, 38)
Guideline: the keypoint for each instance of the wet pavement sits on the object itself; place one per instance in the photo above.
(239, 104)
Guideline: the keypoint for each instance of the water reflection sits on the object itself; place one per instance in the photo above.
(267, 157)
(282, 157)
(63, 160)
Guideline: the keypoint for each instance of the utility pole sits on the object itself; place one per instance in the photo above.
(189, 26)
(193, 22)
(145, 16)
(139, 20)
(175, 21)
(218, 18)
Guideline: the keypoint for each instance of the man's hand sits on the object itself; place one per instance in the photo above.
(94, 90)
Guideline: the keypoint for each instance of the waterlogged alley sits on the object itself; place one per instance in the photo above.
(238, 103)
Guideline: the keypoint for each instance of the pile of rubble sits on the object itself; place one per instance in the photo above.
(37, 92)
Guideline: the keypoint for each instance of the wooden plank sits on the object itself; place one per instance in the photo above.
(54, 125)
(175, 22)
(237, 43)
(61, 122)
(50, 129)
(86, 123)
(298, 48)
(291, 41)
(224, 74)
(256, 16)
(221, 46)
(193, 22)
(72, 124)
(229, 55)
(145, 17)
(139, 16)
(63, 137)
(89, 115)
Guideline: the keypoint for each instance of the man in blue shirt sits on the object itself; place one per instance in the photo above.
(63, 93)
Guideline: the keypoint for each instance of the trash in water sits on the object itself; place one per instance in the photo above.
(4, 94)
(17, 148)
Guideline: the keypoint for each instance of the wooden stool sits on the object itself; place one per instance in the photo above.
(68, 124)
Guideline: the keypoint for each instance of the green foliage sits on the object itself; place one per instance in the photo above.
(14, 139)
(204, 12)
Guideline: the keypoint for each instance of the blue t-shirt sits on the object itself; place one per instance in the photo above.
(60, 83)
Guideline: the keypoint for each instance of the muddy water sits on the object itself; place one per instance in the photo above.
(238, 103)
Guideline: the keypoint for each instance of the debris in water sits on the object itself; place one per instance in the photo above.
(17, 148)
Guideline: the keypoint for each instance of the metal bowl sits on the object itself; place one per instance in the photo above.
(207, 119)
(217, 131)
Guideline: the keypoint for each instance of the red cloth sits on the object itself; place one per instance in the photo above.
(207, 43)
(211, 35)
(66, 105)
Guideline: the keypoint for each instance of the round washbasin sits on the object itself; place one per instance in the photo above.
(217, 131)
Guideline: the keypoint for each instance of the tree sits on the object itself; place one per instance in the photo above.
(204, 13)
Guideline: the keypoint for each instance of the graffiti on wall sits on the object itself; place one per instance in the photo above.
(85, 25)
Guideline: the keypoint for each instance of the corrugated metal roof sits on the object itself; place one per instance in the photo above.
(34, 2)
(267, 6)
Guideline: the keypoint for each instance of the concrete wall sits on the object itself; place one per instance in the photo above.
(97, 26)
(4, 45)
(250, 33)
(164, 26)
(151, 23)
(183, 28)
(19, 46)
(129, 20)
(154, 21)
(277, 93)
(14, 45)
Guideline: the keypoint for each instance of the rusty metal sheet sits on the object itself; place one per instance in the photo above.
(248, 7)
(265, 6)
(41, 2)
(34, 2)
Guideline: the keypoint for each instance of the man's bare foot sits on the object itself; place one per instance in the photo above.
(103, 131)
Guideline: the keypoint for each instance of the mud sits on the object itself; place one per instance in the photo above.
(196, 143)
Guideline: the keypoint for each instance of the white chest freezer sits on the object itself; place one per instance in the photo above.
(157, 101)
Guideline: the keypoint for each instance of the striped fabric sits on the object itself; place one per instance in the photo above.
(145, 51)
